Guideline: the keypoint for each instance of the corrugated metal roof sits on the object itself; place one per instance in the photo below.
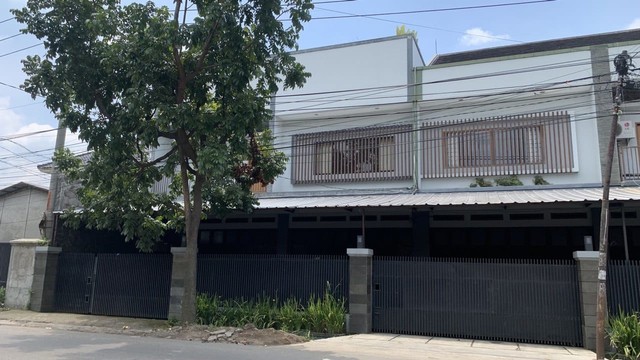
(538, 46)
(451, 198)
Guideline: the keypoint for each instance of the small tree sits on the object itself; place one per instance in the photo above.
(403, 30)
(198, 77)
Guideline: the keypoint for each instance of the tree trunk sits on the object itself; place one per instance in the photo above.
(190, 280)
(192, 214)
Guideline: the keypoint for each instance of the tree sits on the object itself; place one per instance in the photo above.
(402, 30)
(198, 77)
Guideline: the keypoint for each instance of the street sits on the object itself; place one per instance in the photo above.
(17, 343)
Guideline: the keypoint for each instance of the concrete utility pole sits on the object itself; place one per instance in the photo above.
(622, 63)
(54, 188)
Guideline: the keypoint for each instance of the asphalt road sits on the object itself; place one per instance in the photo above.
(17, 343)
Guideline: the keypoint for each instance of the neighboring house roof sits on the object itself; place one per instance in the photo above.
(20, 186)
(48, 167)
(494, 197)
(539, 46)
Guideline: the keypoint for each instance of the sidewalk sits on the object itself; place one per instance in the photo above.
(363, 346)
(389, 346)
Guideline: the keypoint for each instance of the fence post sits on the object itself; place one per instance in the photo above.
(45, 273)
(178, 272)
(360, 294)
(20, 275)
(588, 282)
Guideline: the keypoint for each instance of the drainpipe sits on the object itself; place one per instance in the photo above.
(416, 135)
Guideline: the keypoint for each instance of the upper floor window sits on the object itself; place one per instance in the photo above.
(524, 144)
(494, 147)
(381, 153)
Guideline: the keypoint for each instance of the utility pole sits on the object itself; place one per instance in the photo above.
(622, 63)
(54, 189)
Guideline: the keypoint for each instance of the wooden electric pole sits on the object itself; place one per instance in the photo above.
(622, 63)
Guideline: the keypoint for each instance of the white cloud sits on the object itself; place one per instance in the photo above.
(478, 36)
(635, 24)
(10, 120)
(24, 145)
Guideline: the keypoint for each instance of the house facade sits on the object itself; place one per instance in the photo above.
(491, 153)
(21, 209)
(402, 153)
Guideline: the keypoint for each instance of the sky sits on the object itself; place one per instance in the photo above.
(27, 134)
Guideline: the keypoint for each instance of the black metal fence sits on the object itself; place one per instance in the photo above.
(5, 256)
(504, 300)
(281, 276)
(136, 285)
(623, 286)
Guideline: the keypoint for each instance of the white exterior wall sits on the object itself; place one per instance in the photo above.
(446, 101)
(381, 68)
(20, 214)
(330, 121)
(562, 81)
(366, 65)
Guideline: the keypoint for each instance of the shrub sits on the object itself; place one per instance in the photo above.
(624, 334)
(481, 182)
(292, 316)
(207, 309)
(2, 295)
(324, 314)
(539, 180)
(511, 180)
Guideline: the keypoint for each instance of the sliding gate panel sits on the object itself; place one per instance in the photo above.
(74, 282)
(503, 300)
(5, 256)
(136, 285)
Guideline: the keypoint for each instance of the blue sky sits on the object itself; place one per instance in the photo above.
(452, 31)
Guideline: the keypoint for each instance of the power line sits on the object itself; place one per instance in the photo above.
(19, 50)
(408, 12)
(10, 37)
(6, 20)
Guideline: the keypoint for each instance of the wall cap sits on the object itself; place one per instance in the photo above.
(25, 242)
(585, 255)
(359, 252)
(48, 249)
(178, 250)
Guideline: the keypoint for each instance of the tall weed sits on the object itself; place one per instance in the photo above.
(324, 314)
(624, 334)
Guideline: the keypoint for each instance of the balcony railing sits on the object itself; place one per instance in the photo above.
(510, 145)
(629, 163)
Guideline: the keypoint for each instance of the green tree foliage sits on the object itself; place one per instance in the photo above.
(402, 30)
(198, 77)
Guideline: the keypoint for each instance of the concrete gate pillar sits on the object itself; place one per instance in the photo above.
(178, 272)
(45, 273)
(20, 275)
(588, 282)
(360, 292)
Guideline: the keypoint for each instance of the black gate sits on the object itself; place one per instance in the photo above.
(135, 285)
(276, 276)
(504, 300)
(623, 286)
(5, 256)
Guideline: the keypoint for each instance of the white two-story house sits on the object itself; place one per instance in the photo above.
(403, 153)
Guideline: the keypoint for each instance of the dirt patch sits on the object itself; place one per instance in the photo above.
(247, 335)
